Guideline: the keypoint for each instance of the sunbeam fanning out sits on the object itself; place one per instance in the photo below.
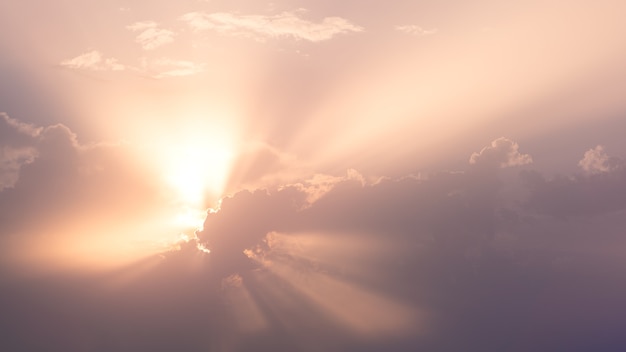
(308, 176)
(321, 283)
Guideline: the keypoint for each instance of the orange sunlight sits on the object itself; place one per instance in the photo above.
(193, 161)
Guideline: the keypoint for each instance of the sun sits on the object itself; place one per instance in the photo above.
(195, 170)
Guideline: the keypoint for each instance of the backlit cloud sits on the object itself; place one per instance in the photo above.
(150, 35)
(597, 161)
(47, 175)
(252, 176)
(501, 153)
(285, 24)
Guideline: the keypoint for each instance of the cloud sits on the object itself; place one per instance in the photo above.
(259, 165)
(403, 208)
(66, 202)
(93, 60)
(17, 148)
(331, 262)
(157, 68)
(592, 194)
(285, 24)
(151, 36)
(415, 30)
(597, 161)
(165, 68)
(501, 153)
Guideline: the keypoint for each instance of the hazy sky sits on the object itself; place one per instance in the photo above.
(208, 175)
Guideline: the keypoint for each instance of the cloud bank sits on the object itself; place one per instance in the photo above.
(352, 263)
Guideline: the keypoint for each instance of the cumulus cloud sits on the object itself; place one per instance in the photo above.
(93, 60)
(150, 35)
(415, 30)
(597, 161)
(502, 153)
(285, 24)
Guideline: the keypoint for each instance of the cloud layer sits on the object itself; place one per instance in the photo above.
(405, 261)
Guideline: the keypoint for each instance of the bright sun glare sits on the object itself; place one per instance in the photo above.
(195, 170)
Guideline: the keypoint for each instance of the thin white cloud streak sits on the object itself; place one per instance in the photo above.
(285, 24)
(165, 68)
(93, 60)
(151, 36)
(158, 68)
(415, 30)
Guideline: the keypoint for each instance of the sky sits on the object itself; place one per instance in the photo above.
(208, 175)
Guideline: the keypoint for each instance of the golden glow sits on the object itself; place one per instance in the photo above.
(193, 161)
(197, 168)
(191, 217)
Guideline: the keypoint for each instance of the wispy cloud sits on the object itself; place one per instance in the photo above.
(285, 24)
(165, 67)
(156, 68)
(415, 30)
(93, 60)
(151, 36)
